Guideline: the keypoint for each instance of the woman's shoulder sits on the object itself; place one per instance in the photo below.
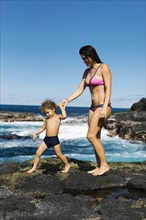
(105, 70)
(104, 67)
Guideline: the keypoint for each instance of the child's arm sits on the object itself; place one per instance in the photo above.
(38, 131)
(63, 112)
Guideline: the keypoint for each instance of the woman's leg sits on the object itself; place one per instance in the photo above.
(93, 135)
(97, 158)
(39, 152)
(96, 155)
(57, 150)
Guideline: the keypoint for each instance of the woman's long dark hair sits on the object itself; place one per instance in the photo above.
(89, 51)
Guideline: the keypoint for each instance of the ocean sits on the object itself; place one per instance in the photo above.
(72, 136)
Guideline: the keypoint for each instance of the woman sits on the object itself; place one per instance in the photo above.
(98, 78)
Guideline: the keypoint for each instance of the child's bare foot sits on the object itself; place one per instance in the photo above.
(66, 168)
(31, 170)
(92, 171)
(100, 171)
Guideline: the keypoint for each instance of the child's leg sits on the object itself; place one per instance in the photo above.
(59, 154)
(39, 152)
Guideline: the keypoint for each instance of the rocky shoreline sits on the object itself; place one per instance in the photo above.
(129, 125)
(7, 116)
(120, 194)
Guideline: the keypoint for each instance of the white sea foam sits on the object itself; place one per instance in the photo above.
(72, 134)
(19, 128)
(71, 128)
(72, 131)
(68, 130)
(10, 144)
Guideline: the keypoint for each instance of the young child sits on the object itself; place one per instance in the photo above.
(51, 125)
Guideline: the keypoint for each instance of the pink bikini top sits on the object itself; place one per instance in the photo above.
(94, 81)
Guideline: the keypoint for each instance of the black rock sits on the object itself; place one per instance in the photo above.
(119, 194)
(138, 183)
(19, 116)
(121, 208)
(129, 125)
(139, 106)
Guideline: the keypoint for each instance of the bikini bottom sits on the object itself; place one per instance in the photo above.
(93, 108)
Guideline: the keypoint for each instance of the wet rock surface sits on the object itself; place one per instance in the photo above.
(123, 208)
(120, 194)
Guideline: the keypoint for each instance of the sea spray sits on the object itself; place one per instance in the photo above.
(20, 147)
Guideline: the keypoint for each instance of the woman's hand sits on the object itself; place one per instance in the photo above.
(64, 102)
(63, 112)
(103, 113)
(60, 105)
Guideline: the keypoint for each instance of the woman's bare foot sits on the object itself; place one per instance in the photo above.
(31, 170)
(66, 168)
(100, 171)
(92, 171)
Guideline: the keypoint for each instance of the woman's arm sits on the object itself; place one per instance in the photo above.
(38, 131)
(77, 92)
(106, 74)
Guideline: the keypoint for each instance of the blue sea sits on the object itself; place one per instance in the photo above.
(72, 136)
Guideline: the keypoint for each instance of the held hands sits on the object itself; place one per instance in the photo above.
(63, 112)
(34, 137)
(60, 105)
(64, 102)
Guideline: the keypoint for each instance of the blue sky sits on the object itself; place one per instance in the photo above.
(40, 41)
